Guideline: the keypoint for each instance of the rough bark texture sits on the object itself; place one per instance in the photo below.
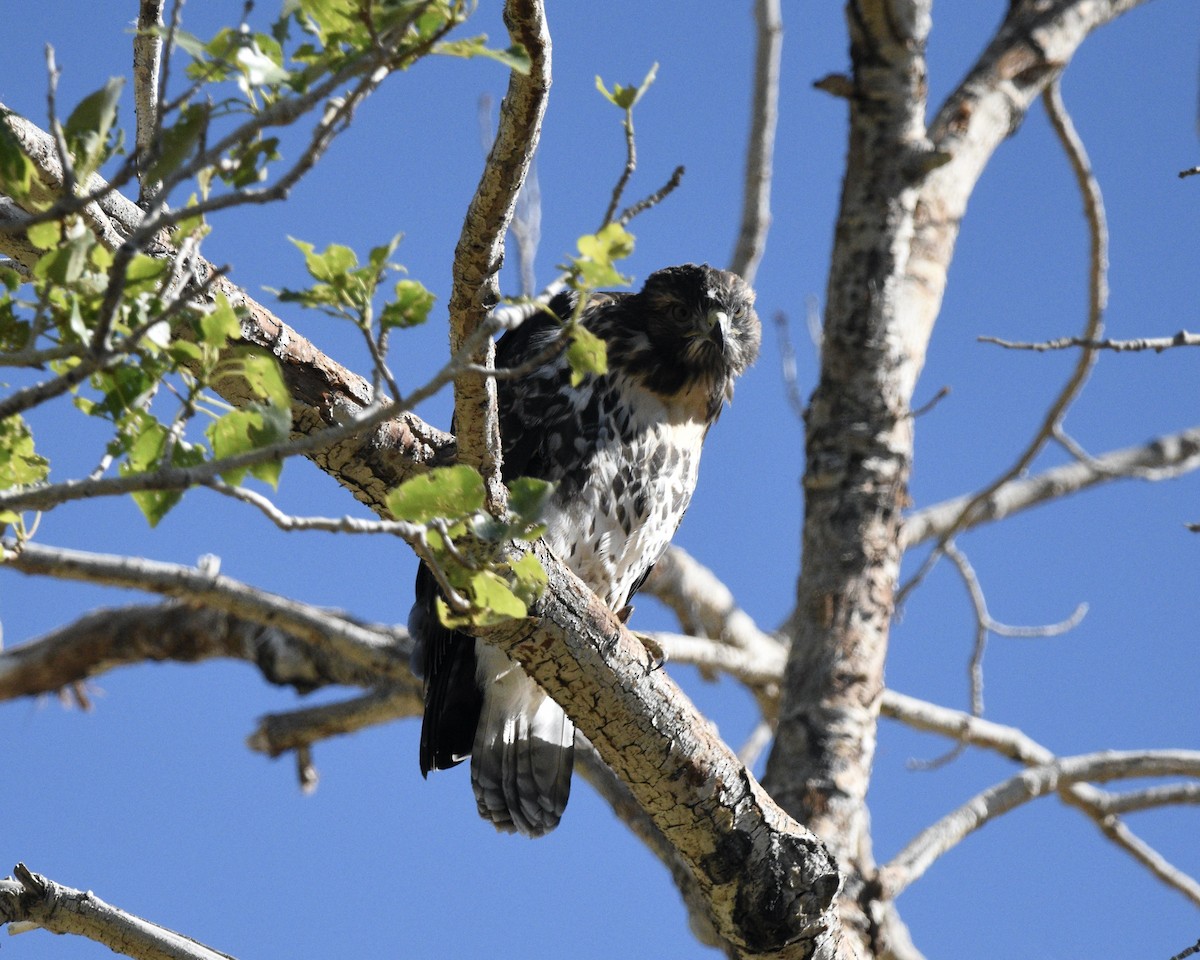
(769, 882)
(858, 453)
(903, 198)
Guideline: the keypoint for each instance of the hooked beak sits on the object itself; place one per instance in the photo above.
(716, 326)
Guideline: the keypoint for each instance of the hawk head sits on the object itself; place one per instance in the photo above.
(690, 327)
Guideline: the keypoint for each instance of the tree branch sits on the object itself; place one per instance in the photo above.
(383, 651)
(324, 393)
(109, 638)
(33, 899)
(1100, 806)
(908, 865)
(1157, 344)
(760, 146)
(1167, 456)
(480, 250)
(769, 883)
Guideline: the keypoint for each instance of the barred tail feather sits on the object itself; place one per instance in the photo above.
(523, 752)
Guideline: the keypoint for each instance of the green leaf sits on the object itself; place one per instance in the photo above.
(515, 57)
(19, 464)
(45, 236)
(178, 139)
(143, 273)
(220, 325)
(597, 253)
(493, 599)
(527, 498)
(260, 371)
(530, 578)
(411, 306)
(379, 256)
(88, 127)
(16, 169)
(65, 265)
(586, 355)
(450, 492)
(627, 97)
(331, 265)
(249, 428)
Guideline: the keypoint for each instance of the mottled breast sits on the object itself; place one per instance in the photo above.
(612, 518)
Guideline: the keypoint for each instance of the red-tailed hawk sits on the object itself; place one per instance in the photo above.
(623, 450)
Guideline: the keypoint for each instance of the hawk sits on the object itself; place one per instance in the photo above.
(622, 450)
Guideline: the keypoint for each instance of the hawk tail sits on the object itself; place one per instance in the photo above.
(523, 752)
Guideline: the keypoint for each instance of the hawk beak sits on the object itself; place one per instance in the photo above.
(716, 324)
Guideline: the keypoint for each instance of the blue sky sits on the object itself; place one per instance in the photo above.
(153, 801)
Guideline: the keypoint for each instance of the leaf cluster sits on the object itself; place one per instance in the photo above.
(464, 542)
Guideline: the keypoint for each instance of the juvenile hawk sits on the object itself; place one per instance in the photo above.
(623, 450)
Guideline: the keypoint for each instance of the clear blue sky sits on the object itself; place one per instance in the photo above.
(153, 801)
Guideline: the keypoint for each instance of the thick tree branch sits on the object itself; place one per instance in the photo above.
(480, 250)
(30, 898)
(769, 884)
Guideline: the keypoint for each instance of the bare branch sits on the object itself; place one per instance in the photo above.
(653, 199)
(480, 248)
(33, 899)
(1093, 205)
(296, 729)
(1167, 456)
(985, 624)
(1100, 806)
(760, 146)
(109, 638)
(1157, 344)
(908, 865)
(384, 652)
(147, 65)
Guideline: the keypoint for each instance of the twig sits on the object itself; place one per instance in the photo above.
(1093, 205)
(1195, 947)
(653, 199)
(760, 146)
(1157, 344)
(985, 624)
(32, 898)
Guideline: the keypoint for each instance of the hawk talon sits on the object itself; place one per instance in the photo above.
(658, 656)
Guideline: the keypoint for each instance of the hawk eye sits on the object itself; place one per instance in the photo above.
(739, 311)
(679, 312)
